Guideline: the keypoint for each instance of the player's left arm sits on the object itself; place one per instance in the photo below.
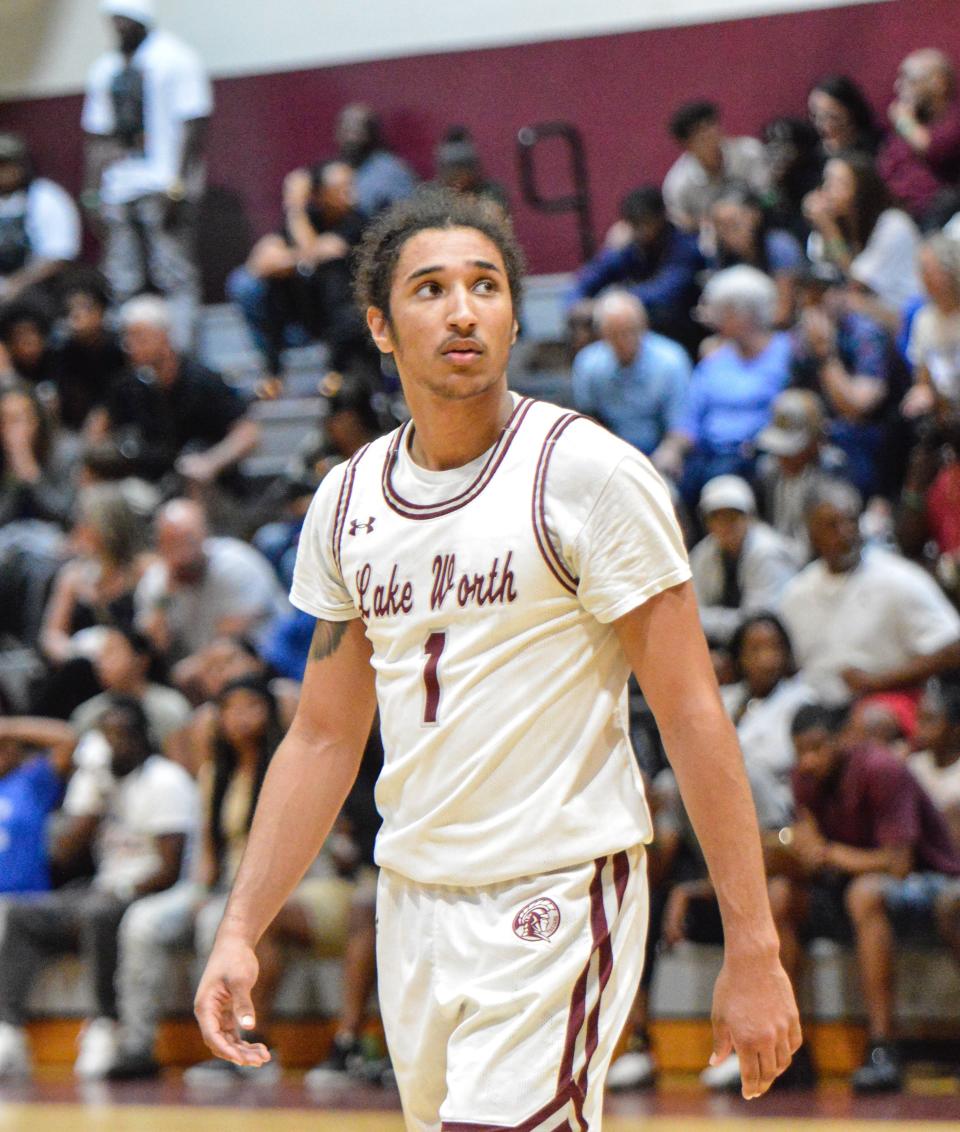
(754, 1011)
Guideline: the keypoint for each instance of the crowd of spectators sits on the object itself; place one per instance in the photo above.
(777, 326)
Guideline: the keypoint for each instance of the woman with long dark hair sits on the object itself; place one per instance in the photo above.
(842, 116)
(33, 483)
(856, 227)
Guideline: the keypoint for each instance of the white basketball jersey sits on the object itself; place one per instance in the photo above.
(487, 594)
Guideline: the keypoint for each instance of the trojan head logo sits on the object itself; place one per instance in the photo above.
(356, 525)
(537, 920)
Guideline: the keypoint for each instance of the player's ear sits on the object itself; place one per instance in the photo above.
(514, 332)
(379, 326)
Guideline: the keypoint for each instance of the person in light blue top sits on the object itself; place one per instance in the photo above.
(732, 389)
(632, 380)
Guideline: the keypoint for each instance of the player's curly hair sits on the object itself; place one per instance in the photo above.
(429, 207)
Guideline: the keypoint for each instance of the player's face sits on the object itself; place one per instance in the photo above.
(451, 320)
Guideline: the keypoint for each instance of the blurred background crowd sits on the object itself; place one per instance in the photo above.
(776, 325)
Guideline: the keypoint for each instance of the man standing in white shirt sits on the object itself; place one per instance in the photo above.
(489, 574)
(145, 116)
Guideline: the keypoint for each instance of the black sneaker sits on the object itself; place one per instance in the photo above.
(130, 1066)
(881, 1071)
(344, 1062)
(799, 1074)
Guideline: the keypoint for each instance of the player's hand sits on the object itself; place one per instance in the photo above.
(755, 1014)
(223, 1005)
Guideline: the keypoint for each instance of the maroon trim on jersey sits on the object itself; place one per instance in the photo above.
(535, 1123)
(409, 510)
(548, 551)
(343, 502)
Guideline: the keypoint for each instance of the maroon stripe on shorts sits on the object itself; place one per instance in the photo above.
(621, 874)
(601, 944)
(578, 999)
(534, 1123)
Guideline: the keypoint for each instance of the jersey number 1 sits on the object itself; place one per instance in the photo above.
(432, 649)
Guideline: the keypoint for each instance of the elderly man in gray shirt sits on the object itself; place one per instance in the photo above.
(201, 587)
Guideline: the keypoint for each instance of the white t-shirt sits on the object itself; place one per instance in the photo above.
(763, 729)
(49, 216)
(487, 593)
(157, 798)
(888, 263)
(935, 344)
(176, 90)
(881, 615)
(239, 582)
(688, 187)
(941, 783)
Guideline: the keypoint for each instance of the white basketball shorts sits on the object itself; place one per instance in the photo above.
(502, 1004)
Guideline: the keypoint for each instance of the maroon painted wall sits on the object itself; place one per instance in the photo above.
(619, 90)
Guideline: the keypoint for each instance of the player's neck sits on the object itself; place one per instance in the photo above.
(449, 434)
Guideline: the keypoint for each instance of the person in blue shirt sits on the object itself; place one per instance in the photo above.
(732, 389)
(656, 262)
(35, 759)
(633, 380)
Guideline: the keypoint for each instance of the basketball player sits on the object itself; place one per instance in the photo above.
(490, 573)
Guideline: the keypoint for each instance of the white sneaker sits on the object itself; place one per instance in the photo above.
(632, 1070)
(724, 1076)
(14, 1051)
(98, 1049)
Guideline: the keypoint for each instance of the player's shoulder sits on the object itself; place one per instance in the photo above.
(581, 445)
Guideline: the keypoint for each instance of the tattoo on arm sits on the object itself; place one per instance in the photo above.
(326, 638)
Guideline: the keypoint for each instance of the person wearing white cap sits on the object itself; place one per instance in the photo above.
(742, 565)
(144, 115)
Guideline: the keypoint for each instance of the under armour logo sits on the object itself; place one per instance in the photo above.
(356, 525)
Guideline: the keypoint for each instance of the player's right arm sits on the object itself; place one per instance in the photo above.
(303, 791)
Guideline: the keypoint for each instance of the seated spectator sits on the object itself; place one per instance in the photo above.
(792, 149)
(35, 481)
(797, 460)
(732, 389)
(39, 226)
(93, 589)
(658, 264)
(126, 665)
(933, 349)
(236, 750)
(26, 351)
(459, 168)
(842, 117)
(201, 587)
(137, 822)
(709, 161)
(850, 361)
(762, 703)
(921, 158)
(169, 412)
(295, 287)
(856, 228)
(866, 833)
(738, 226)
(633, 381)
(381, 177)
(90, 360)
(741, 565)
(936, 746)
(35, 759)
(864, 620)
